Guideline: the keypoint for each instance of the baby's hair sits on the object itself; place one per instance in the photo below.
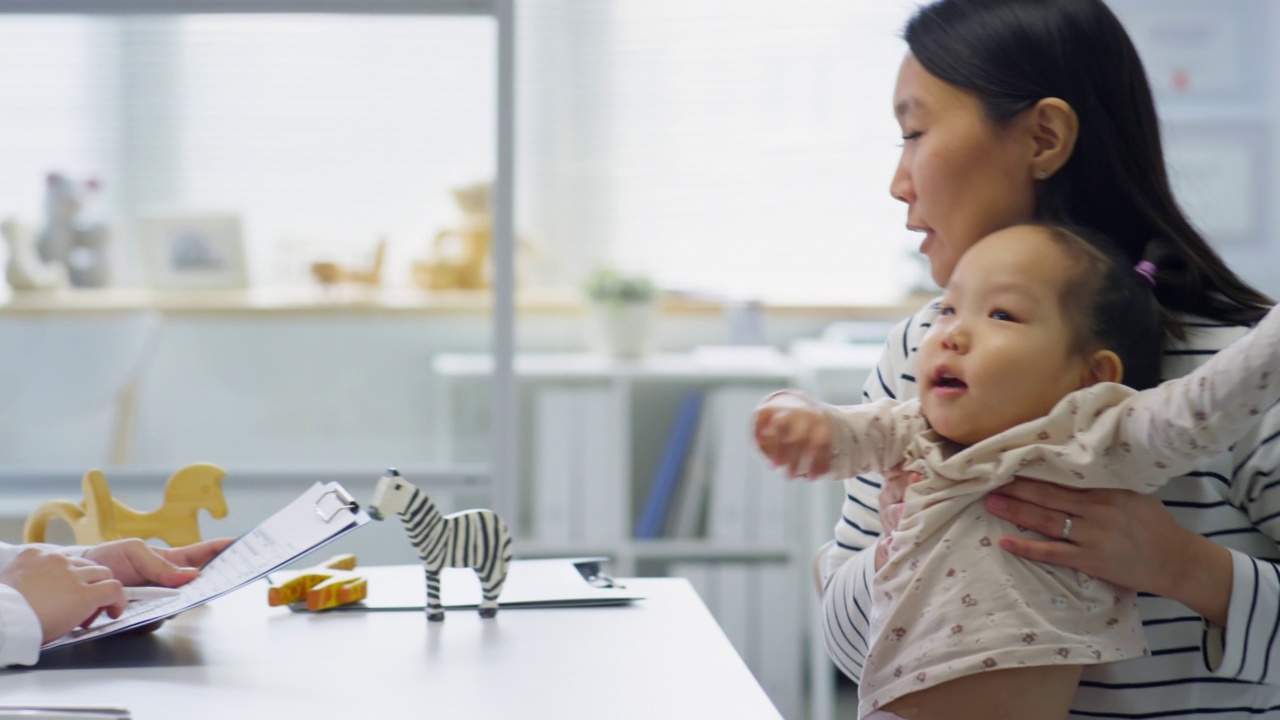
(1110, 305)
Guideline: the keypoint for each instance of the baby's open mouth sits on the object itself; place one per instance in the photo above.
(947, 381)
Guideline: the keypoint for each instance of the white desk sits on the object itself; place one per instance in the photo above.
(662, 657)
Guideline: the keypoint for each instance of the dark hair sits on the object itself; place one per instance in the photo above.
(1109, 305)
(1014, 53)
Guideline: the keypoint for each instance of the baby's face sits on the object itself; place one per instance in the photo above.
(1000, 353)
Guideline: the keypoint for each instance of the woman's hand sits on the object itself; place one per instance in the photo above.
(134, 562)
(1123, 537)
(792, 431)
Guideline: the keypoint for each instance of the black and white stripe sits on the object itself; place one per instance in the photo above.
(476, 539)
(1195, 671)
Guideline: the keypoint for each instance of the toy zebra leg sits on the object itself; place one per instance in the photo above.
(430, 534)
(435, 609)
(492, 547)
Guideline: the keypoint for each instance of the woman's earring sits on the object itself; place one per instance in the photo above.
(1043, 174)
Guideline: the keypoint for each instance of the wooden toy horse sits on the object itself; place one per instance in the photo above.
(477, 539)
(100, 517)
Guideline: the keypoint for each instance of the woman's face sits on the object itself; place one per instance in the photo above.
(961, 175)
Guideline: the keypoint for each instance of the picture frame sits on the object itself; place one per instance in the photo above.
(193, 250)
(1198, 54)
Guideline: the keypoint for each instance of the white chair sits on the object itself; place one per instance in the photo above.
(67, 387)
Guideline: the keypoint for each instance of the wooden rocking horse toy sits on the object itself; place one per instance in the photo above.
(100, 517)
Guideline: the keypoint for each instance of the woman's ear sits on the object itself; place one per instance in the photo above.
(1054, 129)
(1104, 366)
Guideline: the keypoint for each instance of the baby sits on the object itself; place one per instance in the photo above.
(1019, 376)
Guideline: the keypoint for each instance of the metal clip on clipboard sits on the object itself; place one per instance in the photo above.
(344, 502)
(590, 570)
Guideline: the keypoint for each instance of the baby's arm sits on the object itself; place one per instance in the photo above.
(814, 439)
(1170, 428)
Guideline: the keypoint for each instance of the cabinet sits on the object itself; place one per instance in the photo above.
(756, 583)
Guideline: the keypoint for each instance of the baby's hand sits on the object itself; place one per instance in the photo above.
(793, 431)
(65, 592)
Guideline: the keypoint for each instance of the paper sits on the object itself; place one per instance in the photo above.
(552, 582)
(322, 514)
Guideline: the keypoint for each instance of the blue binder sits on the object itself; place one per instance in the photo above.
(667, 478)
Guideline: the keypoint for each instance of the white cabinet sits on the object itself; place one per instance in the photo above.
(595, 431)
(615, 417)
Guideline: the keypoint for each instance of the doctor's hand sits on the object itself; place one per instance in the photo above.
(134, 562)
(794, 432)
(65, 592)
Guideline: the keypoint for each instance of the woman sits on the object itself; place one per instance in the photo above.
(1039, 109)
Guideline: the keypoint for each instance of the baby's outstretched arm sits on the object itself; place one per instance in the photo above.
(812, 439)
(792, 431)
(1176, 424)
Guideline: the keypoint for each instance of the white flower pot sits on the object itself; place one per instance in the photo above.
(622, 330)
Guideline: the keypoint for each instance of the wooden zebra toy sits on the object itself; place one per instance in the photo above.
(477, 539)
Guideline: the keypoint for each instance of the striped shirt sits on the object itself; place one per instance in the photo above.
(1195, 670)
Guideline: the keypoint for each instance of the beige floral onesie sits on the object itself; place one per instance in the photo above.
(949, 602)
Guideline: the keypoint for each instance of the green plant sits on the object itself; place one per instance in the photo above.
(610, 286)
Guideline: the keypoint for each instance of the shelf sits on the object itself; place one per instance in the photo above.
(719, 366)
(302, 300)
(351, 298)
(668, 549)
(25, 489)
(694, 549)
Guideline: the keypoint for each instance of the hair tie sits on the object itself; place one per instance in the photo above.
(1147, 270)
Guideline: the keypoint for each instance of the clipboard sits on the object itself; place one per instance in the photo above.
(541, 583)
(322, 514)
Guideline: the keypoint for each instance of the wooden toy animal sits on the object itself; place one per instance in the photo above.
(329, 273)
(477, 539)
(100, 517)
(461, 255)
(324, 586)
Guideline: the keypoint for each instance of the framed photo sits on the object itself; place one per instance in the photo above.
(193, 250)
(1200, 53)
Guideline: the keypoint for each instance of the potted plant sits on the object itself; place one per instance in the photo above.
(623, 308)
